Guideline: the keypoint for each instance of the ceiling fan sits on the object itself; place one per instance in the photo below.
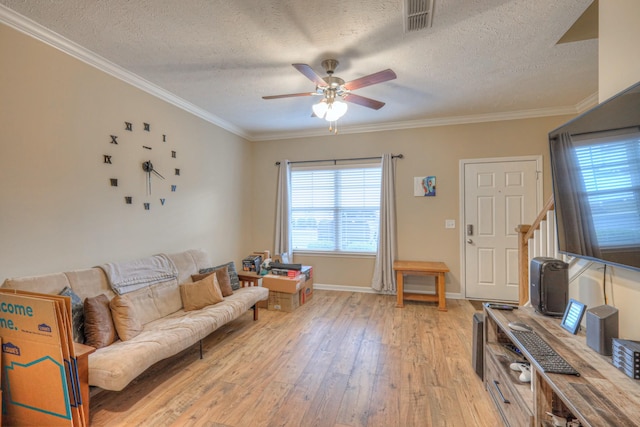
(334, 89)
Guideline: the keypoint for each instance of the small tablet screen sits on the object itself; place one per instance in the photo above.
(573, 315)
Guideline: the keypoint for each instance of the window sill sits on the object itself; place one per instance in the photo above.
(335, 254)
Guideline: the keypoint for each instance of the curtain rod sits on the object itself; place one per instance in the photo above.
(393, 156)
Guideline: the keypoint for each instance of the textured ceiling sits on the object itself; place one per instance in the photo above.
(480, 57)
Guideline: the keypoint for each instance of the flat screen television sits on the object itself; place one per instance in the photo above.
(595, 166)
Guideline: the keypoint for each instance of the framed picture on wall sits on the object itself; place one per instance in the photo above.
(424, 186)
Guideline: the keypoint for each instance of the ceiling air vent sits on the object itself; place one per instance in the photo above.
(418, 14)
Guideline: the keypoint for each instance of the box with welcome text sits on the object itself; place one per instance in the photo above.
(32, 353)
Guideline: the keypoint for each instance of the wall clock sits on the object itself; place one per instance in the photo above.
(151, 156)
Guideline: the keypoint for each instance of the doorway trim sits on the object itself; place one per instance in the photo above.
(462, 236)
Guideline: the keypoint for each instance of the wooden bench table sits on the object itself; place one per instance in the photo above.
(421, 268)
(249, 278)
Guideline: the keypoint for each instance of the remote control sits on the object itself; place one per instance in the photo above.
(501, 306)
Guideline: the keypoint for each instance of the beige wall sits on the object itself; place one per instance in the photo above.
(57, 209)
(618, 62)
(427, 151)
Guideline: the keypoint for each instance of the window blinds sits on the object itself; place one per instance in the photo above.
(335, 208)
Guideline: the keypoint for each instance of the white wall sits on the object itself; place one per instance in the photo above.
(57, 208)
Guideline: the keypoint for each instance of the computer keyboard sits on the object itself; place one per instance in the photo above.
(547, 358)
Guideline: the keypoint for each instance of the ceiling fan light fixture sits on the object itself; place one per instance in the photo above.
(336, 110)
(320, 109)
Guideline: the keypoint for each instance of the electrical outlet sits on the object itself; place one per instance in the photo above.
(449, 223)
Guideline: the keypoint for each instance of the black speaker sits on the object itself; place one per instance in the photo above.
(549, 285)
(602, 328)
(477, 350)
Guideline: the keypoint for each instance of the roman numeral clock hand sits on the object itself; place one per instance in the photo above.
(148, 168)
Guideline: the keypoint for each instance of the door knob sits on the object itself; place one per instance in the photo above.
(469, 241)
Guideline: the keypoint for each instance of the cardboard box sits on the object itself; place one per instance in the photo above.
(282, 284)
(264, 254)
(306, 291)
(37, 349)
(252, 263)
(282, 301)
(307, 270)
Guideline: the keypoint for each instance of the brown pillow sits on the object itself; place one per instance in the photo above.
(124, 317)
(201, 293)
(222, 274)
(99, 330)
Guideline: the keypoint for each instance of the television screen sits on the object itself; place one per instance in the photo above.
(595, 165)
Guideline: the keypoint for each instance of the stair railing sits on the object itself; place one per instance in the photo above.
(537, 239)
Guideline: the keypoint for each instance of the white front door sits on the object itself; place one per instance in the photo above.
(498, 196)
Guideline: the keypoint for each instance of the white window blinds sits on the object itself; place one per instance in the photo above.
(335, 208)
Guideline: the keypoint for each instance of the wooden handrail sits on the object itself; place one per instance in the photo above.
(549, 206)
(525, 232)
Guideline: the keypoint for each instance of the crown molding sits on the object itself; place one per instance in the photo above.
(31, 28)
(422, 123)
(587, 103)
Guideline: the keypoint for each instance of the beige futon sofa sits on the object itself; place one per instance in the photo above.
(166, 329)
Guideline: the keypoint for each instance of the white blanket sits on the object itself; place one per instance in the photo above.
(129, 276)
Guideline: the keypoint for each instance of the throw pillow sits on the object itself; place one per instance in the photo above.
(233, 274)
(99, 330)
(77, 314)
(201, 293)
(124, 316)
(222, 274)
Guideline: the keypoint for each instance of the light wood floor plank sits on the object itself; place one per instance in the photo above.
(341, 360)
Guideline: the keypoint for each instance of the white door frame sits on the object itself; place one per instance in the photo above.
(462, 240)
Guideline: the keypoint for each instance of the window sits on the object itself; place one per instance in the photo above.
(335, 208)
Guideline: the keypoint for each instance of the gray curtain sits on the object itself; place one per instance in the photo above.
(383, 277)
(282, 246)
(575, 208)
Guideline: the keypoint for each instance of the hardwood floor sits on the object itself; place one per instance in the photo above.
(342, 359)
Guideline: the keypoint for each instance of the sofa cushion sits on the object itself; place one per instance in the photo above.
(125, 317)
(156, 301)
(222, 274)
(167, 297)
(99, 330)
(201, 293)
(233, 274)
(77, 314)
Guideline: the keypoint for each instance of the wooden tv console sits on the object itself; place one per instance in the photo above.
(600, 396)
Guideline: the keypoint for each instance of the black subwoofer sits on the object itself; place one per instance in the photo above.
(549, 285)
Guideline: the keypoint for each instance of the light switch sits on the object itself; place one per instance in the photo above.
(449, 223)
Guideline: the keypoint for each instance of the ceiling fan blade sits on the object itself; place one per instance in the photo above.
(310, 74)
(289, 95)
(371, 79)
(365, 102)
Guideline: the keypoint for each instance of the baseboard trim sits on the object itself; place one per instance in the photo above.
(368, 290)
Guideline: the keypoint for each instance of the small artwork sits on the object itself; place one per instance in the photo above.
(424, 186)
